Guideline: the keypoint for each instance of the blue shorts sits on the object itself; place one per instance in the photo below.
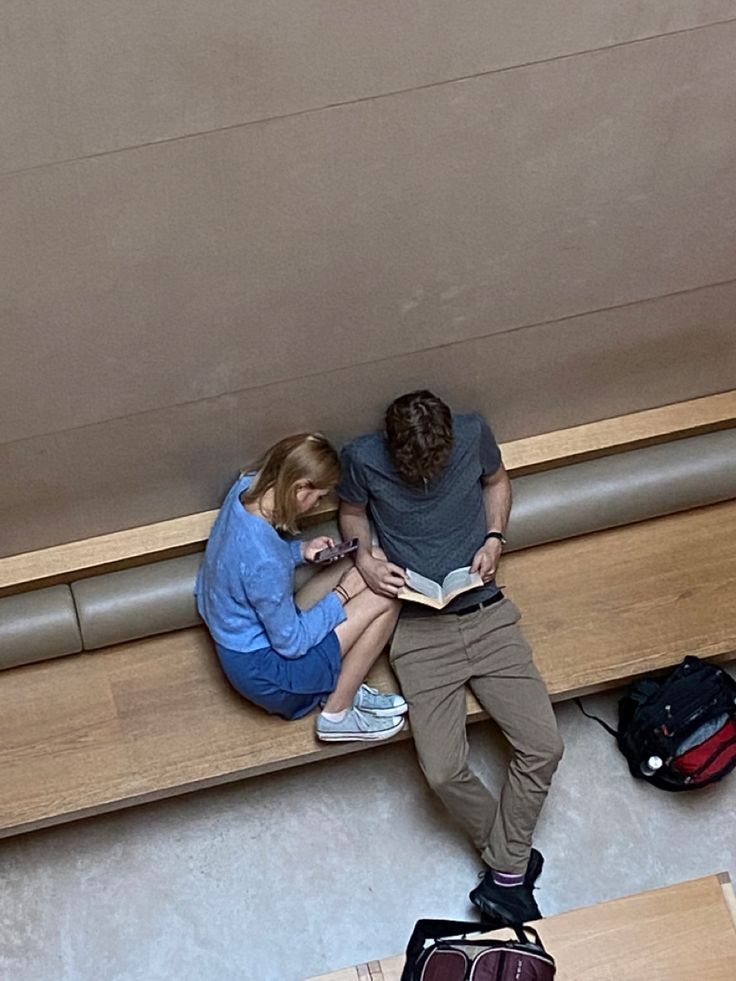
(285, 686)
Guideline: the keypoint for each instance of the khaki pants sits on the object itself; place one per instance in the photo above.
(434, 658)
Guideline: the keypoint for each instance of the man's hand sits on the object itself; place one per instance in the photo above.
(485, 560)
(383, 577)
(310, 549)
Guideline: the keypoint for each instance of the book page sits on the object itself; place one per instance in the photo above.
(460, 580)
(420, 584)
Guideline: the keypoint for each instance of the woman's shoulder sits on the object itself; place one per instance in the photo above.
(240, 485)
(245, 533)
(242, 482)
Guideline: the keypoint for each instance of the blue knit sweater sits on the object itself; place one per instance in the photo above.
(245, 586)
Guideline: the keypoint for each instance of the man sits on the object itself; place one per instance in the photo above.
(435, 488)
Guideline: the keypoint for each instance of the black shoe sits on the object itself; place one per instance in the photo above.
(534, 868)
(512, 904)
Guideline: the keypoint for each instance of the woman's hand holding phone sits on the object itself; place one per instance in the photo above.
(334, 552)
(310, 550)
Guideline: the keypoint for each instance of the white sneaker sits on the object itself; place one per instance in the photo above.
(382, 704)
(358, 726)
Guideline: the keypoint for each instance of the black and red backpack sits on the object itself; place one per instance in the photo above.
(679, 733)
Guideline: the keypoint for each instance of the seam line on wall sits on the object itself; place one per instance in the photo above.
(377, 361)
(368, 98)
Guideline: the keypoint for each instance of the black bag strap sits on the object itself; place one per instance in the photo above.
(643, 689)
(438, 929)
(595, 718)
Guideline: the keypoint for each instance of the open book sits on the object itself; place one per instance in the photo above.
(419, 589)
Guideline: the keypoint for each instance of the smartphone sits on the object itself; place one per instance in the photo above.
(337, 551)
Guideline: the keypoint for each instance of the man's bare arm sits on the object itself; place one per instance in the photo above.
(382, 577)
(354, 523)
(497, 500)
(497, 505)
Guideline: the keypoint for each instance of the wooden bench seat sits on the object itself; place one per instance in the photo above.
(90, 733)
(680, 933)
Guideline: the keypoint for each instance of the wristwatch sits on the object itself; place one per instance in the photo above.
(497, 535)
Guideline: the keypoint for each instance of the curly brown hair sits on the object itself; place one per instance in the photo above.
(419, 435)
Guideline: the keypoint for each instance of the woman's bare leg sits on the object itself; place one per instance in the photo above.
(363, 636)
(320, 584)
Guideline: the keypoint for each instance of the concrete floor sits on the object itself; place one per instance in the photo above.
(302, 872)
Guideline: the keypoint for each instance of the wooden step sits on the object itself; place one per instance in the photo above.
(684, 932)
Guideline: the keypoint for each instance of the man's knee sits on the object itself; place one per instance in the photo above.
(383, 605)
(544, 758)
(443, 775)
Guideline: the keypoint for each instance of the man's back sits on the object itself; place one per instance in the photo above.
(431, 527)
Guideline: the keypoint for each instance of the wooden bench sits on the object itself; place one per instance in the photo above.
(680, 933)
(143, 720)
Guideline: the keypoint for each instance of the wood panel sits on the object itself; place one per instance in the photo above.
(188, 533)
(678, 933)
(117, 550)
(621, 433)
(155, 717)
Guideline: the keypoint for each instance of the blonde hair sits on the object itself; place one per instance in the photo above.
(305, 457)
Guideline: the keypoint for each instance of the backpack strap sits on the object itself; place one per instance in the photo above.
(642, 690)
(438, 929)
(595, 718)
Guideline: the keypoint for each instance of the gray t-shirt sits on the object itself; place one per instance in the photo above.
(430, 529)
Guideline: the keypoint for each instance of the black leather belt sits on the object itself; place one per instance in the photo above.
(496, 598)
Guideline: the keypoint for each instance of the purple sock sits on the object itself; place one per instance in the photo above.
(507, 879)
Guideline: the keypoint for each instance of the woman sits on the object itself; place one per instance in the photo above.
(285, 659)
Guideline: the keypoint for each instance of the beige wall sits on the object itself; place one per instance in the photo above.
(225, 221)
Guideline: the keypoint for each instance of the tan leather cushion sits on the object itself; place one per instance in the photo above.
(551, 505)
(620, 489)
(139, 602)
(38, 625)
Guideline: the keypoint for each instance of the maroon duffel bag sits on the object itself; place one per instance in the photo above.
(460, 959)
